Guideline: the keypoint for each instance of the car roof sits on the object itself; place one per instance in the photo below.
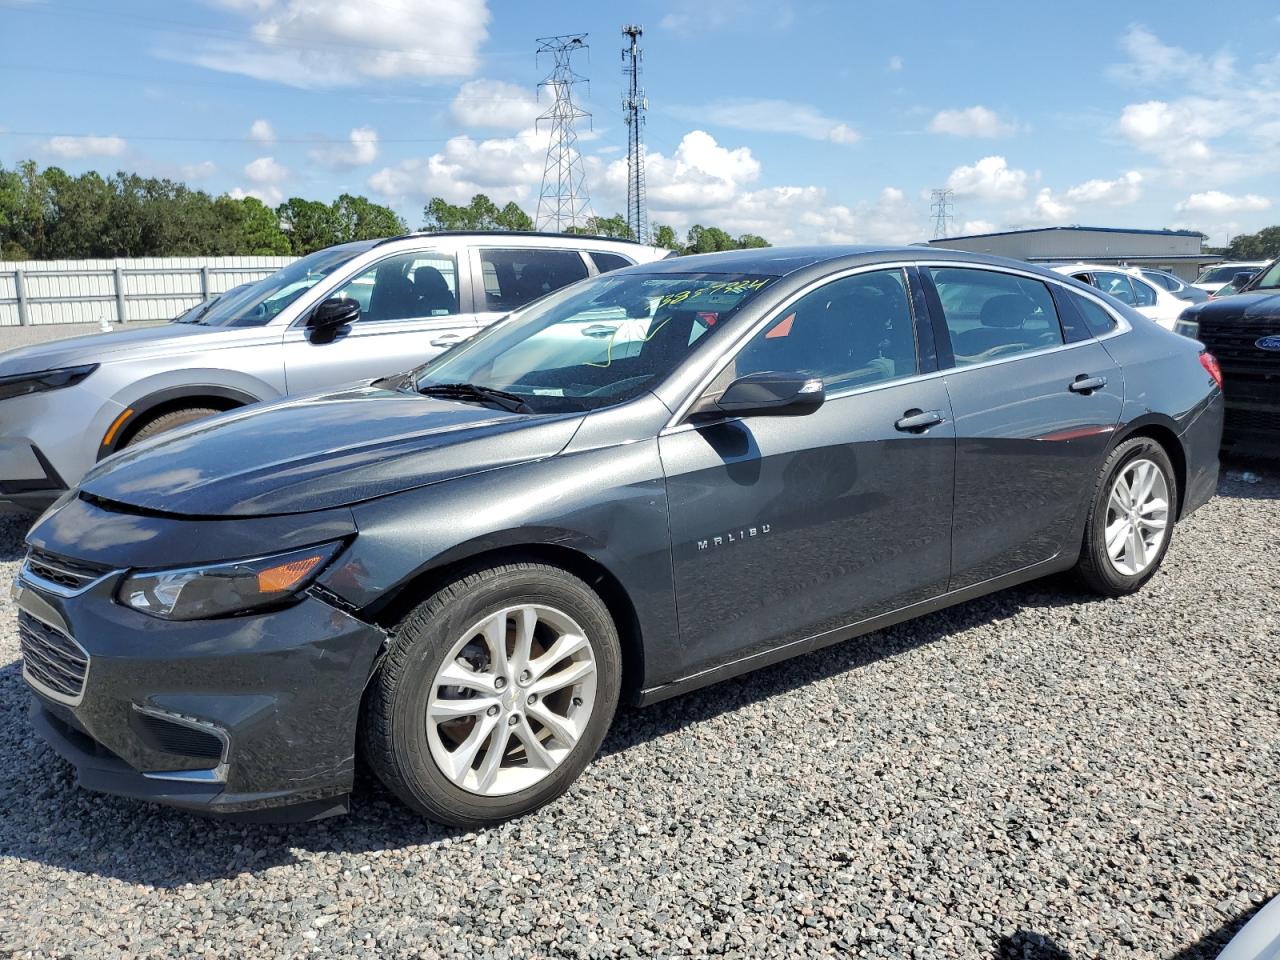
(785, 261)
(1111, 267)
(521, 237)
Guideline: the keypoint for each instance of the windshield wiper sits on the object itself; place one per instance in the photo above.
(472, 391)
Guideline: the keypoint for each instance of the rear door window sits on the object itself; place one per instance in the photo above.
(991, 315)
(512, 278)
(609, 261)
(1117, 285)
(1096, 317)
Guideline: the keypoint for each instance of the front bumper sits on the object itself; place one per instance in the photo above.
(280, 691)
(27, 478)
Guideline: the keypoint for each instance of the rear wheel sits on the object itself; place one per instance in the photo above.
(169, 421)
(1128, 530)
(494, 694)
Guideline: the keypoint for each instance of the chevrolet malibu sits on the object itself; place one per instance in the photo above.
(645, 482)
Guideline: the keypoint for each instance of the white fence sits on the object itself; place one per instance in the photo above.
(35, 292)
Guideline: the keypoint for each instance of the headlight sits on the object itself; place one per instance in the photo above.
(20, 384)
(196, 593)
(1188, 328)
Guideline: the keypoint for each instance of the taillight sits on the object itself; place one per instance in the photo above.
(1210, 364)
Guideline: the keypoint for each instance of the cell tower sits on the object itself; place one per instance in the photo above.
(635, 103)
(563, 202)
(943, 199)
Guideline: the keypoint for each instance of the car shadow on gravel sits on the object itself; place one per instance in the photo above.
(45, 818)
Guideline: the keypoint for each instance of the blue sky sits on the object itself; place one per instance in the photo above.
(800, 121)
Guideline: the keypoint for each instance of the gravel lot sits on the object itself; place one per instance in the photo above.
(1036, 774)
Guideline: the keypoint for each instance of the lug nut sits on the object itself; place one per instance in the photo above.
(499, 683)
(513, 719)
(492, 711)
(533, 698)
(525, 676)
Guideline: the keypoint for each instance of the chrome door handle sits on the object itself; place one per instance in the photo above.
(447, 340)
(1087, 384)
(600, 330)
(918, 421)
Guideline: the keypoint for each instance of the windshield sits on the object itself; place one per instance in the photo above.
(598, 342)
(259, 303)
(1270, 279)
(1225, 274)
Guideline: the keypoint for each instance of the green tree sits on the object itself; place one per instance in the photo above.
(480, 214)
(254, 225)
(665, 237)
(708, 239)
(750, 240)
(309, 224)
(615, 226)
(1263, 245)
(358, 218)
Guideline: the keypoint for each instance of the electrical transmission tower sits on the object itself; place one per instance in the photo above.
(635, 103)
(563, 202)
(943, 199)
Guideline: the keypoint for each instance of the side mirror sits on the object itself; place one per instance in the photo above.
(333, 313)
(1242, 278)
(771, 394)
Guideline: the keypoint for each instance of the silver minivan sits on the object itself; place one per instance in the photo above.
(65, 405)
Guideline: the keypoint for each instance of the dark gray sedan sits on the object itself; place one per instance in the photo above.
(643, 483)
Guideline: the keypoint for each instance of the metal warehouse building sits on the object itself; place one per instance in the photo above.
(1177, 251)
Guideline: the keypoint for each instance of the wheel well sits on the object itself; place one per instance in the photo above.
(595, 575)
(144, 417)
(1173, 447)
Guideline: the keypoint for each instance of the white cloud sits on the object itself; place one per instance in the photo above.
(978, 121)
(329, 43)
(265, 170)
(700, 174)
(506, 168)
(970, 227)
(266, 175)
(772, 116)
(991, 178)
(1123, 190)
(895, 64)
(360, 151)
(90, 146)
(199, 171)
(1217, 202)
(261, 132)
(1048, 209)
(494, 104)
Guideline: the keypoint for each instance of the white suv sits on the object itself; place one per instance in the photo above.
(355, 311)
(1129, 286)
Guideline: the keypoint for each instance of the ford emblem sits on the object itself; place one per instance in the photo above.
(1269, 343)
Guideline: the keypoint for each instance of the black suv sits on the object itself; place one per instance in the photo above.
(1243, 332)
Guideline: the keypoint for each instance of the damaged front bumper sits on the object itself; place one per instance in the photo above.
(252, 717)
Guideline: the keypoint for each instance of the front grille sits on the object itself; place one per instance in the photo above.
(53, 662)
(72, 574)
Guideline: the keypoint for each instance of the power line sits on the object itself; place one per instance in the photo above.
(274, 140)
(635, 104)
(563, 200)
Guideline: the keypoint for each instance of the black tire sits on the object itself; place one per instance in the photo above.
(1094, 567)
(169, 421)
(394, 737)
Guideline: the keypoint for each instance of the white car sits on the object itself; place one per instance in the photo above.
(1129, 286)
(1212, 279)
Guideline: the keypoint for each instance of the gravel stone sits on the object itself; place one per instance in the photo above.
(1036, 774)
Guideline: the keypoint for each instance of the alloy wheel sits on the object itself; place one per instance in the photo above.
(1137, 517)
(511, 699)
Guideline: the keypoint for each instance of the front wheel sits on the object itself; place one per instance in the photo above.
(1132, 516)
(494, 694)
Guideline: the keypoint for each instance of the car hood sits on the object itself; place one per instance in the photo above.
(321, 451)
(162, 339)
(1264, 303)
